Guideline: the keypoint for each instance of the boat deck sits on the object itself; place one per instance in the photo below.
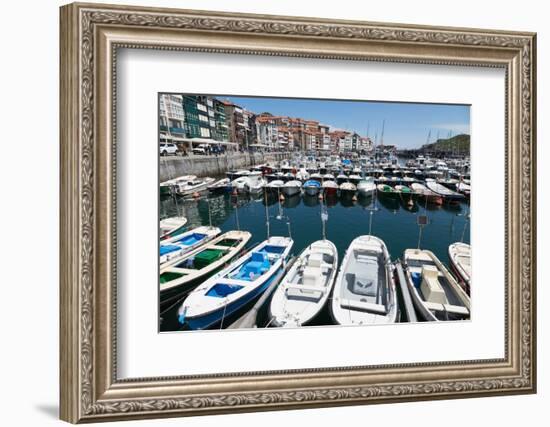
(366, 279)
(415, 267)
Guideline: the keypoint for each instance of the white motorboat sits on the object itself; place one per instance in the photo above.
(173, 226)
(463, 188)
(354, 178)
(443, 191)
(289, 176)
(183, 273)
(252, 183)
(366, 186)
(176, 246)
(292, 188)
(236, 285)
(460, 255)
(364, 292)
(330, 188)
(305, 289)
(341, 178)
(274, 187)
(348, 189)
(302, 175)
(316, 176)
(425, 193)
(169, 187)
(221, 186)
(193, 186)
(434, 291)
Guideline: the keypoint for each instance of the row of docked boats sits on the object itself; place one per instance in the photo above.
(364, 291)
(331, 173)
(221, 277)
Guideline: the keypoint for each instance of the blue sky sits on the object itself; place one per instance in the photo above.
(406, 124)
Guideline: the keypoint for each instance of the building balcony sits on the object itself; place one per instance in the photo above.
(176, 130)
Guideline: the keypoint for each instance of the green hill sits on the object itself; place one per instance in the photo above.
(458, 143)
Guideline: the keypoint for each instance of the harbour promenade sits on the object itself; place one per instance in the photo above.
(212, 165)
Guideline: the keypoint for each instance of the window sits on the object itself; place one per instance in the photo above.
(203, 118)
(201, 107)
(205, 132)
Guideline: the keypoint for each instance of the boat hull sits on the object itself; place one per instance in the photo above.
(311, 191)
(165, 190)
(220, 190)
(291, 191)
(347, 193)
(215, 317)
(462, 281)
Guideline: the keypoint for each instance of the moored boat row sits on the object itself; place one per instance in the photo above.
(363, 289)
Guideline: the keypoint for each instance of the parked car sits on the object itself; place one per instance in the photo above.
(167, 148)
(199, 151)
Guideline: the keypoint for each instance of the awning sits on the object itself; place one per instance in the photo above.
(208, 141)
(173, 138)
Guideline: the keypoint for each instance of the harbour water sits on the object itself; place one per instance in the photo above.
(392, 220)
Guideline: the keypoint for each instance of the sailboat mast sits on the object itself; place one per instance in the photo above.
(266, 213)
(324, 217)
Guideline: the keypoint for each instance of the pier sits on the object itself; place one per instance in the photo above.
(212, 165)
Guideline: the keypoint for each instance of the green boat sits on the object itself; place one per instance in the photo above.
(182, 274)
(387, 190)
(404, 190)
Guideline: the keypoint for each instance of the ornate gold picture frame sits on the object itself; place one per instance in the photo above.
(90, 37)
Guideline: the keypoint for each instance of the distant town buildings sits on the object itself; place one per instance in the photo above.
(205, 120)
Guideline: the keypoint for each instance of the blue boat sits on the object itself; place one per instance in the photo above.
(183, 243)
(312, 187)
(235, 286)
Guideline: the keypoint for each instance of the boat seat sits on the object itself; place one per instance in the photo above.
(309, 293)
(315, 260)
(311, 276)
(352, 304)
(430, 286)
(257, 266)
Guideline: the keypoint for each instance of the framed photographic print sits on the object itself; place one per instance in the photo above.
(268, 212)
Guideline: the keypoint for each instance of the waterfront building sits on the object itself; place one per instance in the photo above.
(285, 138)
(341, 140)
(172, 117)
(366, 144)
(248, 134)
(311, 141)
(234, 119)
(202, 119)
(267, 132)
(198, 121)
(220, 128)
(325, 144)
